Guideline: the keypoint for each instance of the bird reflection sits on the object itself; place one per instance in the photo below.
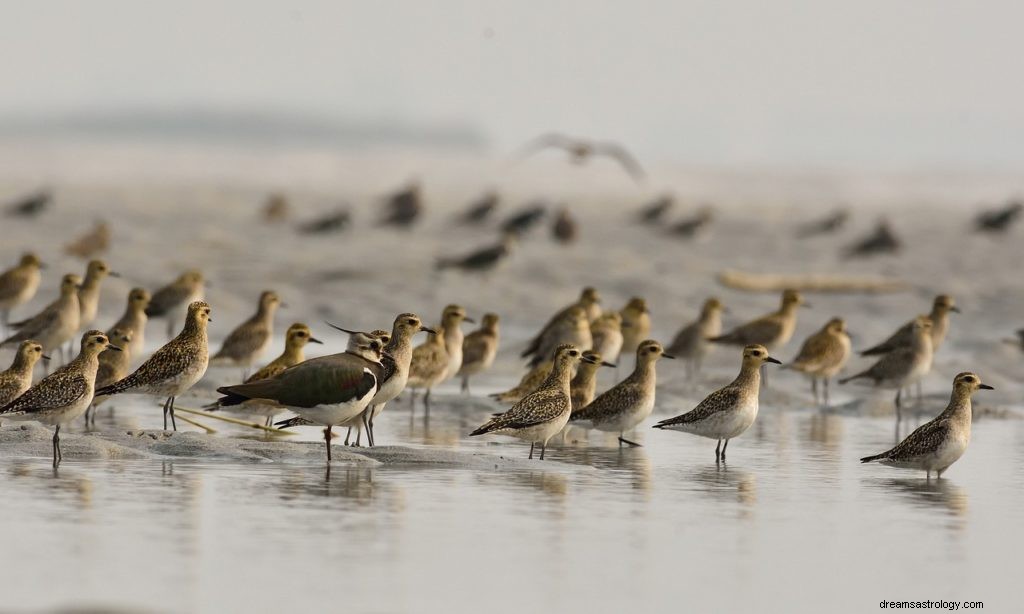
(633, 462)
(932, 494)
(356, 483)
(724, 482)
(825, 429)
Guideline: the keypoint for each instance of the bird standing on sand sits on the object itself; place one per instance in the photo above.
(332, 221)
(622, 407)
(693, 226)
(772, 330)
(250, 339)
(404, 207)
(691, 343)
(523, 220)
(1000, 219)
(483, 259)
(31, 205)
(479, 349)
(904, 365)
(92, 243)
(569, 327)
(882, 240)
(636, 324)
(480, 210)
(451, 321)
(544, 412)
(606, 332)
(113, 367)
(89, 292)
(729, 411)
(823, 355)
(527, 384)
(134, 320)
(832, 223)
(938, 443)
(18, 285)
(581, 151)
(276, 208)
(656, 210)
(56, 323)
(328, 390)
(169, 300)
(18, 378)
(429, 365)
(564, 230)
(63, 396)
(174, 368)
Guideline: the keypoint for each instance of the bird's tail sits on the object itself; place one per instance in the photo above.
(853, 377)
(122, 385)
(868, 459)
(290, 422)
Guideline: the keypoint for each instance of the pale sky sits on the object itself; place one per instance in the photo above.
(875, 83)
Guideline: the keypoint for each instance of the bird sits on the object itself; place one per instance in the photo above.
(823, 355)
(583, 386)
(691, 342)
(332, 221)
(63, 396)
(636, 324)
(94, 242)
(170, 299)
(451, 321)
(1019, 341)
(429, 365)
(904, 365)
(940, 442)
(694, 225)
(113, 366)
(571, 326)
(276, 208)
(295, 341)
(482, 259)
(606, 334)
(403, 207)
(522, 221)
(580, 151)
(30, 205)
(939, 316)
(328, 390)
(89, 292)
(57, 323)
(772, 330)
(18, 285)
(479, 349)
(18, 377)
(527, 384)
(480, 210)
(628, 403)
(134, 320)
(655, 211)
(545, 411)
(175, 367)
(247, 342)
(829, 224)
(999, 220)
(882, 240)
(729, 411)
(564, 230)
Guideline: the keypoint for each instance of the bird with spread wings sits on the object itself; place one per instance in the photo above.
(581, 150)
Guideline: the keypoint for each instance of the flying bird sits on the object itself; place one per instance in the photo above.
(581, 150)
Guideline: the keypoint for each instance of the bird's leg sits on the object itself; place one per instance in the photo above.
(718, 451)
(369, 425)
(898, 405)
(166, 403)
(327, 442)
(5, 320)
(532, 444)
(928, 474)
(920, 392)
(170, 327)
(359, 439)
(56, 447)
(543, 449)
(170, 407)
(825, 387)
(347, 434)
(465, 385)
(814, 388)
(426, 403)
(623, 440)
(366, 426)
(723, 449)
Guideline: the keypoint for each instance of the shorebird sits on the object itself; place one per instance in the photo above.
(482, 259)
(479, 349)
(999, 220)
(545, 411)
(333, 221)
(628, 403)
(529, 382)
(881, 241)
(328, 390)
(480, 210)
(250, 339)
(583, 386)
(727, 412)
(429, 365)
(1019, 341)
(89, 292)
(606, 332)
(581, 150)
(175, 367)
(523, 220)
(823, 355)
(636, 324)
(772, 330)
(939, 316)
(31, 205)
(904, 365)
(451, 321)
(938, 443)
(564, 230)
(691, 343)
(113, 366)
(18, 378)
(56, 323)
(63, 396)
(656, 210)
(276, 208)
(169, 300)
(571, 326)
(832, 223)
(134, 320)
(403, 207)
(18, 285)
(92, 243)
(694, 225)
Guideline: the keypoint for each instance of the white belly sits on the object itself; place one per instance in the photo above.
(540, 433)
(626, 420)
(724, 424)
(334, 415)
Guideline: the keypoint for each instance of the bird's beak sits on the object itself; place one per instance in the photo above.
(589, 359)
(773, 360)
(806, 305)
(111, 346)
(955, 309)
(470, 320)
(725, 310)
(605, 363)
(46, 358)
(43, 265)
(315, 340)
(985, 387)
(669, 356)
(427, 329)
(344, 330)
(283, 305)
(113, 274)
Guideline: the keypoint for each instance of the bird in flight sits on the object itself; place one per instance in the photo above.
(581, 150)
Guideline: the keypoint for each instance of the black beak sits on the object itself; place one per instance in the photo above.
(315, 340)
(46, 358)
(344, 330)
(955, 309)
(43, 265)
(283, 305)
(470, 320)
(590, 360)
(114, 347)
(985, 387)
(806, 305)
(427, 329)
(669, 356)
(113, 274)
(605, 363)
(773, 360)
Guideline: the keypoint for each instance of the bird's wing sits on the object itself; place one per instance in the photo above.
(719, 400)
(925, 438)
(328, 380)
(609, 403)
(270, 370)
(31, 327)
(551, 139)
(474, 347)
(619, 153)
(60, 389)
(8, 287)
(165, 363)
(243, 340)
(165, 298)
(752, 332)
(813, 350)
(535, 408)
(900, 338)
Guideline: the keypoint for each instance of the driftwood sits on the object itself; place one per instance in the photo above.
(809, 282)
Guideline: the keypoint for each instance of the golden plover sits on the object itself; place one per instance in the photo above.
(429, 365)
(134, 320)
(882, 240)
(529, 382)
(570, 327)
(544, 412)
(940, 442)
(827, 225)
(479, 349)
(89, 292)
(823, 355)
(63, 396)
(480, 209)
(998, 220)
(727, 412)
(772, 330)
(451, 321)
(564, 229)
(482, 259)
(361, 421)
(56, 323)
(606, 332)
(904, 365)
(403, 207)
(247, 342)
(169, 300)
(583, 386)
(18, 378)
(91, 243)
(18, 285)
(654, 212)
(939, 316)
(628, 403)
(636, 324)
(175, 367)
(691, 343)
(113, 366)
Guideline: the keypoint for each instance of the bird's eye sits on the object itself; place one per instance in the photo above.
(574, 353)
(969, 380)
